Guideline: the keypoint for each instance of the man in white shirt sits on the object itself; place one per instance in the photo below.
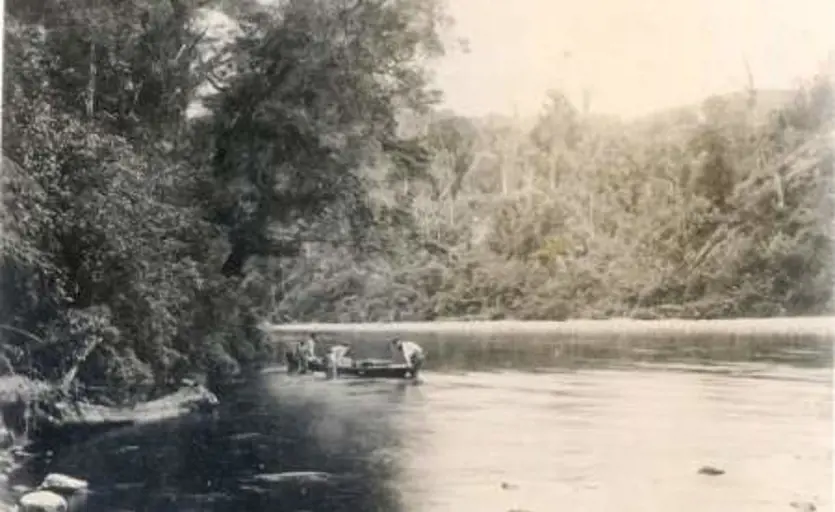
(409, 353)
(337, 356)
(307, 352)
(341, 354)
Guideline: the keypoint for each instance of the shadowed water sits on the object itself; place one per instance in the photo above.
(597, 428)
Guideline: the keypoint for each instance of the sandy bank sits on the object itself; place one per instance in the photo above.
(802, 326)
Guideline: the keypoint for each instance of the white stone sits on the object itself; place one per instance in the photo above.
(43, 501)
(59, 482)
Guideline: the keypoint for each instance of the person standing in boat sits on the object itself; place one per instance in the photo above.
(291, 356)
(307, 352)
(409, 353)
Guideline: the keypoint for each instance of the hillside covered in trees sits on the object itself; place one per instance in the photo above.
(319, 181)
(724, 210)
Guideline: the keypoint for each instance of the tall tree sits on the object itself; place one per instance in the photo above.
(315, 100)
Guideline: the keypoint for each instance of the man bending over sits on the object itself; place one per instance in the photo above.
(338, 355)
(409, 353)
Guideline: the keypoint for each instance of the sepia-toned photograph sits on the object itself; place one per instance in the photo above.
(417, 256)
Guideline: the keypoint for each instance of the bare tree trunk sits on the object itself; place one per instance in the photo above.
(503, 171)
(591, 216)
(91, 83)
(70, 375)
(752, 91)
(552, 172)
(529, 185)
(778, 186)
(752, 103)
(586, 101)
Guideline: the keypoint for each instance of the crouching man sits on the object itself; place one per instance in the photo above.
(338, 355)
(408, 353)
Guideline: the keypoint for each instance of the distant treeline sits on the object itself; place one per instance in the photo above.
(713, 212)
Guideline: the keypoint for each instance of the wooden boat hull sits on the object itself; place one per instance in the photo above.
(367, 371)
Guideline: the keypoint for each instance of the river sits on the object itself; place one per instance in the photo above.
(495, 431)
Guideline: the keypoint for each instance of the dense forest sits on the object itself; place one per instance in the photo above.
(319, 180)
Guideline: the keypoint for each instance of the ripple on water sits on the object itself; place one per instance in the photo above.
(603, 440)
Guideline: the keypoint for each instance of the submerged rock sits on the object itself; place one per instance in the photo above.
(292, 476)
(20, 489)
(245, 436)
(711, 471)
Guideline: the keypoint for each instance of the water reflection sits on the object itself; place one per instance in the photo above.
(239, 461)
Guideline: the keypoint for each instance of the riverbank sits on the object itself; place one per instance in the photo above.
(622, 327)
(21, 429)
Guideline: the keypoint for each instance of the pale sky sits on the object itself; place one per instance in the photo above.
(635, 56)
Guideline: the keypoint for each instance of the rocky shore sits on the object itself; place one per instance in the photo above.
(32, 411)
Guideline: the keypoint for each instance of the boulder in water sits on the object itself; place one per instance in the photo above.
(56, 492)
(57, 482)
(43, 501)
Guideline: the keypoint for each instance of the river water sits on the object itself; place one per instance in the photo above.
(494, 433)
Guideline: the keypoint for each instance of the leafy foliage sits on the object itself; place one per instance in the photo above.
(148, 236)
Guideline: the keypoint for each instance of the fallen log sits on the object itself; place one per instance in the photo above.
(49, 412)
(85, 416)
